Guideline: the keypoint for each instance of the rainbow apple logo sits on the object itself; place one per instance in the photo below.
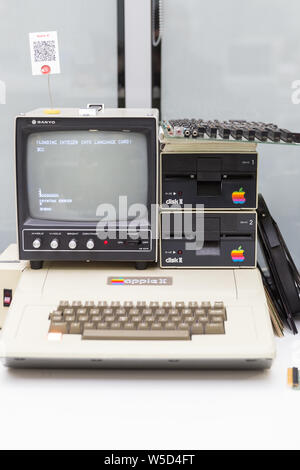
(238, 197)
(237, 256)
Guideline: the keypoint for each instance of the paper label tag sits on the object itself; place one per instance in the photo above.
(87, 112)
(44, 53)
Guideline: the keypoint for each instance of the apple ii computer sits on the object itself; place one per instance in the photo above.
(72, 169)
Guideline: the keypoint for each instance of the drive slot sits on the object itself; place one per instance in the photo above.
(179, 177)
(239, 177)
(237, 236)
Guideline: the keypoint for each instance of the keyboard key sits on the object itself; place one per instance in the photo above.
(70, 318)
(129, 326)
(160, 311)
(102, 325)
(147, 311)
(205, 305)
(186, 312)
(136, 318)
(219, 305)
(136, 335)
(162, 318)
(82, 318)
(214, 328)
(183, 326)
(56, 318)
(216, 318)
(134, 311)
(176, 318)
(218, 311)
(156, 326)
(123, 319)
(116, 325)
(143, 326)
(197, 329)
(96, 318)
(75, 328)
(150, 318)
(88, 325)
(200, 311)
(89, 303)
(173, 311)
(69, 311)
(201, 315)
(109, 318)
(57, 313)
(58, 327)
(170, 325)
(107, 311)
(81, 311)
(94, 311)
(120, 311)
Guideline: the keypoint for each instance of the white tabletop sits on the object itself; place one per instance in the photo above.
(152, 409)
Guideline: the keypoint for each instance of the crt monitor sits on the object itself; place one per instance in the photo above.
(87, 186)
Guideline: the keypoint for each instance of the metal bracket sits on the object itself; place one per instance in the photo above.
(98, 107)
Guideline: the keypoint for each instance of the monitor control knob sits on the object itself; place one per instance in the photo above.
(90, 244)
(37, 243)
(72, 244)
(54, 244)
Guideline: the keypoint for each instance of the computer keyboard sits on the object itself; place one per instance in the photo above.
(138, 321)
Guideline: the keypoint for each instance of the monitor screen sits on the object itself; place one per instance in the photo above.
(70, 173)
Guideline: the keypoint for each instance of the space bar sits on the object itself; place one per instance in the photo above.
(137, 334)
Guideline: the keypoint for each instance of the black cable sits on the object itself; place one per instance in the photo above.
(283, 280)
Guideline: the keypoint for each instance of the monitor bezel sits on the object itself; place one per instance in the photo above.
(26, 126)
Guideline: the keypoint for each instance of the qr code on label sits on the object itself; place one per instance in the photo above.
(44, 51)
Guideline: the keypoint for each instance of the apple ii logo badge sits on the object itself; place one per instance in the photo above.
(237, 256)
(139, 281)
(238, 197)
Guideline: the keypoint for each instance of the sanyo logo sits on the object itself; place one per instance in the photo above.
(42, 122)
(174, 260)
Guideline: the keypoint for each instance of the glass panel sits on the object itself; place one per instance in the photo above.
(238, 60)
(87, 35)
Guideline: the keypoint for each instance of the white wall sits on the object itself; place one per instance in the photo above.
(87, 34)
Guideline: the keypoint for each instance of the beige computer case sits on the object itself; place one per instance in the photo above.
(10, 272)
